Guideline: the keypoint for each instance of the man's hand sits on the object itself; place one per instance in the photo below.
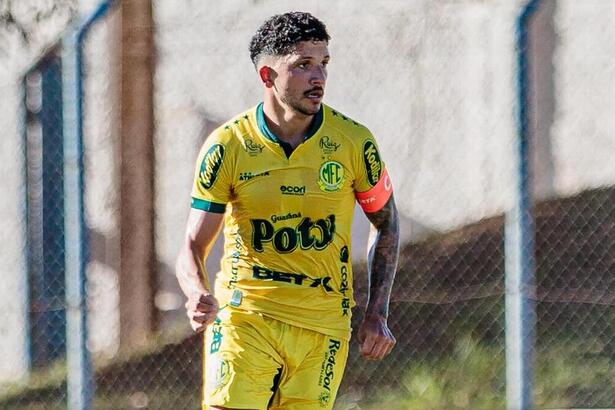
(375, 338)
(201, 310)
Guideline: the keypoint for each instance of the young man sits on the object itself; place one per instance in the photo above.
(284, 177)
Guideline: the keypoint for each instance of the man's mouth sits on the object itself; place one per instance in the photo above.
(314, 93)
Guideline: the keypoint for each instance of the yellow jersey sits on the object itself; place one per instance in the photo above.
(288, 215)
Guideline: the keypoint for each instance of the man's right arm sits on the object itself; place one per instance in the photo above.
(201, 232)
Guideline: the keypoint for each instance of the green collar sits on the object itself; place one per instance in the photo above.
(262, 124)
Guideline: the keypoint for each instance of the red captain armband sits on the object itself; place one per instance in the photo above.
(377, 197)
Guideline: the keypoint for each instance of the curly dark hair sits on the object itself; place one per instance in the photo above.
(281, 33)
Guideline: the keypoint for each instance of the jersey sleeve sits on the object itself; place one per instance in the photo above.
(211, 188)
(372, 185)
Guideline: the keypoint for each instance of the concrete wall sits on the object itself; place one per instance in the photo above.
(102, 182)
(13, 310)
(582, 134)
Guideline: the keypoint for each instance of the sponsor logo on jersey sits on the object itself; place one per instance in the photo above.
(290, 215)
(331, 176)
(327, 371)
(307, 234)
(373, 165)
(235, 259)
(292, 190)
(259, 272)
(344, 258)
(327, 145)
(253, 148)
(246, 176)
(211, 165)
(343, 289)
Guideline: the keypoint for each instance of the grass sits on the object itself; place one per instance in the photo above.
(472, 377)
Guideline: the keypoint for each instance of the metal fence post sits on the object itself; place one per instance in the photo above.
(80, 383)
(79, 375)
(519, 246)
(27, 360)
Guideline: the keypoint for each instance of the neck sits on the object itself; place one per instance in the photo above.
(288, 125)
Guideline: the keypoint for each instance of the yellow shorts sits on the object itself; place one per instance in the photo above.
(255, 362)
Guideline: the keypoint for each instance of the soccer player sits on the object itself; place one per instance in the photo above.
(284, 177)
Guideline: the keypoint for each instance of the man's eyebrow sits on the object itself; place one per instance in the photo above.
(309, 56)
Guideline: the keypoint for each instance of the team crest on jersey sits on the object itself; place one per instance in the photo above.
(327, 145)
(331, 176)
(253, 148)
(373, 164)
(211, 165)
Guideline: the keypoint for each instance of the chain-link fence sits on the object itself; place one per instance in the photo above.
(45, 212)
(435, 82)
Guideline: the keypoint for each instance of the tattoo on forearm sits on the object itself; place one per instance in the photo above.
(382, 258)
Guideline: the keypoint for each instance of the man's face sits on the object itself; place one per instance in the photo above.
(300, 77)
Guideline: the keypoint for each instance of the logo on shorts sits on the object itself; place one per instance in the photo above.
(373, 165)
(327, 371)
(220, 373)
(211, 165)
(324, 398)
(331, 176)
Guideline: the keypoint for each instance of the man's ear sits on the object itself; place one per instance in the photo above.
(267, 75)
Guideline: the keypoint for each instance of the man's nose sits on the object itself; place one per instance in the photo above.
(319, 76)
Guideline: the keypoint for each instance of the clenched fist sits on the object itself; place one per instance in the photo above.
(375, 338)
(201, 310)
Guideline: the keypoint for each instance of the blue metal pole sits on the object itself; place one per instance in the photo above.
(25, 283)
(79, 374)
(519, 245)
(80, 382)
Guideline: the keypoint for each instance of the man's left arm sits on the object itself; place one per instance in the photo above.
(375, 337)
